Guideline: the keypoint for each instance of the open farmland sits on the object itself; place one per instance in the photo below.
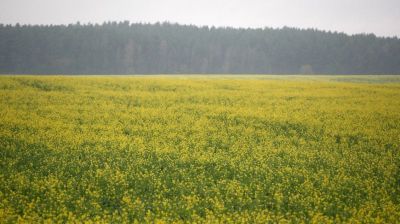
(200, 149)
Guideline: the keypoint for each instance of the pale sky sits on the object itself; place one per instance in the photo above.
(381, 17)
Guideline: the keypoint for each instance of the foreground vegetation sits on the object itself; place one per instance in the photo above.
(198, 149)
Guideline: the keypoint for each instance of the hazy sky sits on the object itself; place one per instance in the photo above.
(381, 17)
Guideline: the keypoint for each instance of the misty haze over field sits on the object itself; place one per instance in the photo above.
(212, 111)
(132, 37)
(380, 17)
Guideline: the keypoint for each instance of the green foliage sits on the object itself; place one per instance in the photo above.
(123, 48)
(229, 149)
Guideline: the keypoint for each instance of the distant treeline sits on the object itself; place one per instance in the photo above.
(124, 48)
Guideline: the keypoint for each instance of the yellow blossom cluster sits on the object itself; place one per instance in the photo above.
(200, 149)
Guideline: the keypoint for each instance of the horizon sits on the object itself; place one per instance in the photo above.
(195, 25)
(351, 17)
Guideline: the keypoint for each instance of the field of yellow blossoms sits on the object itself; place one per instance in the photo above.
(231, 149)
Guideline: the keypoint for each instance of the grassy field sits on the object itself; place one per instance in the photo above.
(200, 149)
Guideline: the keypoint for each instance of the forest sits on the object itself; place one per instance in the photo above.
(167, 48)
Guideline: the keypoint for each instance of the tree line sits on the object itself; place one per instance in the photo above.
(126, 48)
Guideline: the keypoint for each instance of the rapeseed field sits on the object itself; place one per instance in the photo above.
(198, 149)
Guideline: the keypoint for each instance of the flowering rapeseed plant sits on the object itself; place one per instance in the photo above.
(199, 149)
